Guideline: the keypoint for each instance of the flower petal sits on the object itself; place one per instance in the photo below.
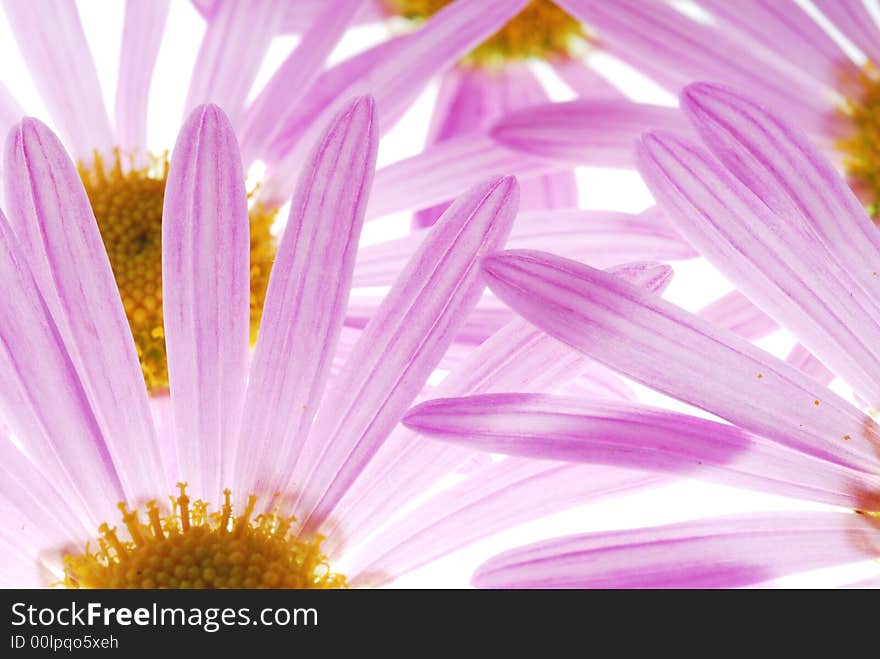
(856, 23)
(42, 398)
(267, 114)
(679, 354)
(141, 36)
(598, 132)
(638, 437)
(231, 52)
(493, 499)
(804, 360)
(725, 552)
(735, 312)
(51, 39)
(306, 300)
(206, 293)
(51, 215)
(781, 267)
(402, 345)
(519, 357)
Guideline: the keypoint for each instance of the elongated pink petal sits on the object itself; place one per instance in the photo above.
(469, 101)
(676, 50)
(42, 398)
(735, 312)
(787, 30)
(442, 172)
(402, 345)
(397, 79)
(804, 360)
(306, 300)
(10, 111)
(141, 37)
(599, 238)
(780, 165)
(788, 273)
(856, 23)
(583, 80)
(51, 215)
(493, 499)
(267, 114)
(51, 39)
(726, 552)
(638, 437)
(206, 293)
(599, 132)
(677, 353)
(232, 50)
(519, 357)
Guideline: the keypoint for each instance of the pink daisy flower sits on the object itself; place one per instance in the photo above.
(308, 427)
(772, 214)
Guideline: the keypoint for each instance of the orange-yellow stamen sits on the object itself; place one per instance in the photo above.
(194, 548)
(860, 143)
(542, 30)
(128, 207)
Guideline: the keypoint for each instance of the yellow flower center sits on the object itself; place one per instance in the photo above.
(860, 143)
(541, 30)
(193, 548)
(128, 208)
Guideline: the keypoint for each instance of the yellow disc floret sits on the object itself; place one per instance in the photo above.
(541, 30)
(194, 548)
(861, 141)
(128, 207)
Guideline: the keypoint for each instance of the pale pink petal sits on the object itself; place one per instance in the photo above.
(232, 50)
(267, 114)
(600, 132)
(583, 80)
(141, 36)
(679, 354)
(306, 300)
(402, 345)
(42, 398)
(726, 552)
(854, 20)
(51, 215)
(443, 171)
(51, 39)
(804, 360)
(205, 296)
(788, 31)
(774, 261)
(780, 165)
(638, 437)
(397, 79)
(599, 238)
(519, 357)
(10, 111)
(666, 44)
(494, 499)
(735, 312)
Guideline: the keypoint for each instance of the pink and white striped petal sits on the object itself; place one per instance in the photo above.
(639, 437)
(727, 552)
(599, 132)
(679, 354)
(735, 312)
(141, 36)
(51, 39)
(206, 296)
(306, 300)
(776, 262)
(52, 217)
(402, 345)
(232, 49)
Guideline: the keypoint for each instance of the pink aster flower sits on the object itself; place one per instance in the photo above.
(292, 431)
(773, 215)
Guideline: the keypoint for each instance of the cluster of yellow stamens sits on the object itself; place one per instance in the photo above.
(128, 207)
(861, 141)
(194, 548)
(541, 30)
